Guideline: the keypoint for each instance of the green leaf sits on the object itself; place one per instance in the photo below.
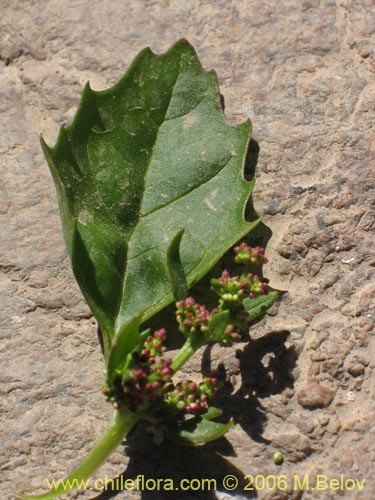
(176, 271)
(212, 412)
(124, 343)
(198, 430)
(217, 325)
(258, 306)
(142, 161)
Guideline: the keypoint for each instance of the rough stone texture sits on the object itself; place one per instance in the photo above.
(315, 396)
(303, 71)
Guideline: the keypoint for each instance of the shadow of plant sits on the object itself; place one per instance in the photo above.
(205, 467)
(266, 366)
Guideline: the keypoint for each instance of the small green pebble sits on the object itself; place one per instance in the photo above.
(278, 458)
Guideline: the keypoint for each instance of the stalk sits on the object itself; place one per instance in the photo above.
(186, 352)
(120, 424)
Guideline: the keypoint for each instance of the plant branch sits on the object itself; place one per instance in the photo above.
(186, 352)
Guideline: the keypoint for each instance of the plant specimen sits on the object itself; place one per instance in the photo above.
(151, 190)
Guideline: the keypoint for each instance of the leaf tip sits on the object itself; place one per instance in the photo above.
(43, 143)
(183, 43)
(176, 272)
(247, 124)
(185, 48)
(88, 91)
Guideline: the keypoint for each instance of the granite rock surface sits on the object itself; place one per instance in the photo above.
(303, 72)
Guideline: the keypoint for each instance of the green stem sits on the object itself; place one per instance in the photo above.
(186, 352)
(121, 423)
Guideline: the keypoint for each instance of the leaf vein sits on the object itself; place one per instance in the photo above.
(141, 203)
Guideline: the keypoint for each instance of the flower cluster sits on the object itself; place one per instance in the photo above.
(249, 256)
(148, 380)
(190, 397)
(230, 335)
(233, 289)
(147, 377)
(153, 345)
(192, 317)
(144, 381)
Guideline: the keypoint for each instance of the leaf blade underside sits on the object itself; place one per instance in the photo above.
(142, 161)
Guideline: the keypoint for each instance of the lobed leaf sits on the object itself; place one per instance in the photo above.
(143, 161)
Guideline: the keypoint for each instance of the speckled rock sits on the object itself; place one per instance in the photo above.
(295, 445)
(315, 396)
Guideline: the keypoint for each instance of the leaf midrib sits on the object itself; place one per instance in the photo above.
(119, 303)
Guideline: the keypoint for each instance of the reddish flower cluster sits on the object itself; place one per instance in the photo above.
(148, 379)
(190, 397)
(192, 317)
(153, 345)
(247, 255)
(145, 376)
(144, 381)
(235, 288)
(148, 376)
